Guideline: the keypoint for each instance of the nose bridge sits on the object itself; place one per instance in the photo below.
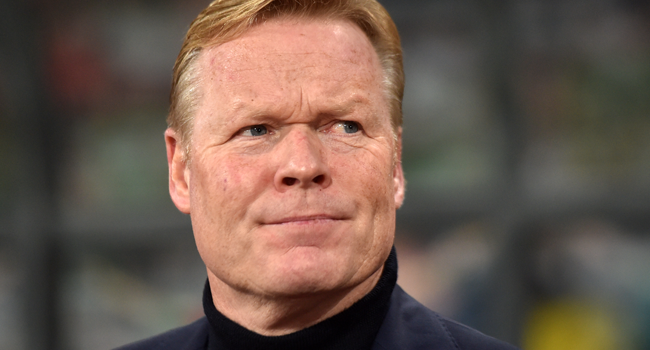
(304, 143)
(302, 162)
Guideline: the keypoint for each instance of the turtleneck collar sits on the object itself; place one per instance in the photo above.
(354, 328)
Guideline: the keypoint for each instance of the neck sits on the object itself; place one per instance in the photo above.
(279, 315)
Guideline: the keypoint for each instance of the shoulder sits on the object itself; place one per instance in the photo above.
(410, 325)
(468, 338)
(191, 337)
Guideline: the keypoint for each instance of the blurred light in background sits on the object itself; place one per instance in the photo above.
(526, 151)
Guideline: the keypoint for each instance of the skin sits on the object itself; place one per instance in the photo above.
(294, 224)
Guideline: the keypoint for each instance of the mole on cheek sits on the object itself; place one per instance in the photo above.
(225, 184)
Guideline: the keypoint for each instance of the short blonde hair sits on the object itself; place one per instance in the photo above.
(225, 20)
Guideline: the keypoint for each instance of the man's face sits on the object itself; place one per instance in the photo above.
(295, 175)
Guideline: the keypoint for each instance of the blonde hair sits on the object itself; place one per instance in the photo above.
(225, 20)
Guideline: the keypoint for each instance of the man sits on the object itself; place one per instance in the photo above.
(284, 146)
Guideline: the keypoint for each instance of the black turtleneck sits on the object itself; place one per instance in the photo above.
(354, 328)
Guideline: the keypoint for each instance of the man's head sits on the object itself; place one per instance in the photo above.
(225, 20)
(295, 171)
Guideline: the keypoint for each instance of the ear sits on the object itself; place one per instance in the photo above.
(179, 179)
(398, 173)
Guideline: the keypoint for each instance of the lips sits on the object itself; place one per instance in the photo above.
(304, 219)
(312, 210)
(312, 230)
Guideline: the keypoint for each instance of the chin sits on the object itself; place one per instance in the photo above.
(299, 288)
(300, 276)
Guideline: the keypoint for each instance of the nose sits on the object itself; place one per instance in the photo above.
(301, 162)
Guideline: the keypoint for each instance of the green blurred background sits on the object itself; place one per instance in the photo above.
(526, 150)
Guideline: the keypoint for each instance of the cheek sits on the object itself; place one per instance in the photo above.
(367, 179)
(230, 175)
(224, 188)
(222, 191)
(368, 173)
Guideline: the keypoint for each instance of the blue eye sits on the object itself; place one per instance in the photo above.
(256, 130)
(350, 127)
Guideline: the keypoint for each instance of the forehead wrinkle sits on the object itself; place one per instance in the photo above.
(262, 112)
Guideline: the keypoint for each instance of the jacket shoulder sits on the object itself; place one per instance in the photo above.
(470, 339)
(409, 325)
(191, 337)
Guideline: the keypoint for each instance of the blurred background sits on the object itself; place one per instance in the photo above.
(526, 150)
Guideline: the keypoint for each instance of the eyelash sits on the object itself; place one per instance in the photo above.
(257, 126)
(350, 123)
(345, 124)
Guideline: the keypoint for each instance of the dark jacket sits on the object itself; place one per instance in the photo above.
(408, 326)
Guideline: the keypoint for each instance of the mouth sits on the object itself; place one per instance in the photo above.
(305, 220)
(304, 230)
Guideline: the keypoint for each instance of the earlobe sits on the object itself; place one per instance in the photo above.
(179, 187)
(398, 173)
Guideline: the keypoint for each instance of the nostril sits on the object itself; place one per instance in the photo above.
(289, 181)
(319, 179)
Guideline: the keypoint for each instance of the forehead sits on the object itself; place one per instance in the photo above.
(339, 37)
(335, 53)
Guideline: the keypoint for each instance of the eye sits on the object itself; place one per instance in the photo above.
(348, 127)
(255, 130)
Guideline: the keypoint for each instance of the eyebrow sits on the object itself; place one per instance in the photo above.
(349, 104)
(336, 108)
